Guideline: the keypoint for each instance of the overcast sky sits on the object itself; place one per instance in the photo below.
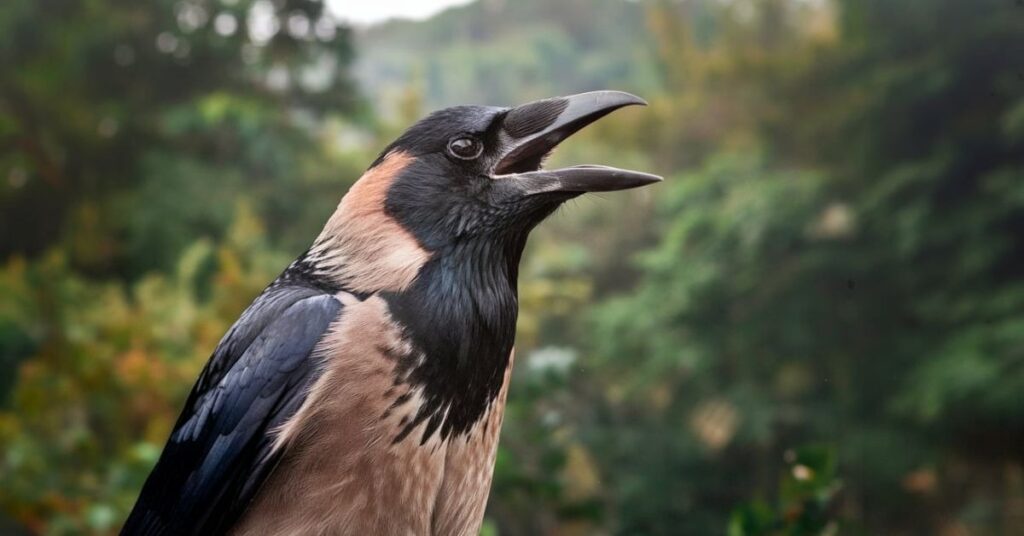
(370, 11)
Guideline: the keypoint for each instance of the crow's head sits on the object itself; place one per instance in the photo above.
(475, 171)
(463, 182)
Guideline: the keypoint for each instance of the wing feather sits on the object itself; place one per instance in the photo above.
(220, 450)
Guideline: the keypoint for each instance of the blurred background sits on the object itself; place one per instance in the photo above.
(814, 326)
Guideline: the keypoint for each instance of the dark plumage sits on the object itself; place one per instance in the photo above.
(363, 390)
(220, 450)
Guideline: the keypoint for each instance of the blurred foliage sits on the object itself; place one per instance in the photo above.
(506, 52)
(111, 104)
(806, 494)
(813, 327)
(110, 367)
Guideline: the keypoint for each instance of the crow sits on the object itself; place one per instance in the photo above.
(363, 391)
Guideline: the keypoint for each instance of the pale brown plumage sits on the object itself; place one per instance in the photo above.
(361, 247)
(341, 473)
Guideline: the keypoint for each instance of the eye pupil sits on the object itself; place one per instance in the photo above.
(465, 148)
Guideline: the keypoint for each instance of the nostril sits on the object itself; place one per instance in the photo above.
(533, 117)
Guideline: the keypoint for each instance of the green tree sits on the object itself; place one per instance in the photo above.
(109, 368)
(872, 300)
(132, 124)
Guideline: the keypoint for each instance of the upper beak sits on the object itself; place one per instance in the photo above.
(532, 130)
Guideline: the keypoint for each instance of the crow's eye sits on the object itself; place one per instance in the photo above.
(465, 147)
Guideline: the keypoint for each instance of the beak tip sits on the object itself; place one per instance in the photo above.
(635, 179)
(621, 98)
(633, 99)
(645, 179)
(599, 103)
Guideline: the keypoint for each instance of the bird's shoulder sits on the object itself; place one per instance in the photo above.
(221, 448)
(283, 296)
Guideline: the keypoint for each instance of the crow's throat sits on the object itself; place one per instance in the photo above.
(460, 314)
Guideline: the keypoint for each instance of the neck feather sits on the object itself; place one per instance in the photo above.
(362, 248)
(460, 314)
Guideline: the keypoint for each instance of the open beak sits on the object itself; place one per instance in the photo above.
(530, 131)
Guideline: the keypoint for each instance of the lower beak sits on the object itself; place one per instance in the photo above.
(582, 179)
(533, 130)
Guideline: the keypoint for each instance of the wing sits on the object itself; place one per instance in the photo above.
(220, 450)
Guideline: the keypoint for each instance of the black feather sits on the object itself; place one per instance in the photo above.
(461, 314)
(220, 450)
